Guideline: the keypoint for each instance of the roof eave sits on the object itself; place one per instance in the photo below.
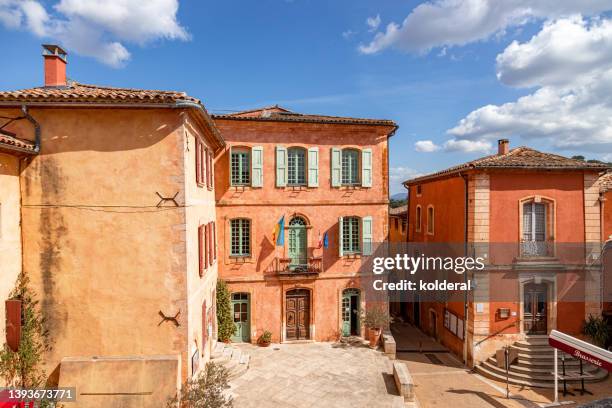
(365, 122)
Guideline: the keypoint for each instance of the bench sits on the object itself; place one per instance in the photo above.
(389, 345)
(403, 381)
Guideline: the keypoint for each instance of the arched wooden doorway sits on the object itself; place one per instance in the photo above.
(297, 314)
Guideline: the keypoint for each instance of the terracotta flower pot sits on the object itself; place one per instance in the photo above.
(264, 343)
(374, 336)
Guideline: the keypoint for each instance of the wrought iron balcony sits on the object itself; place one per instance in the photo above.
(312, 266)
(536, 249)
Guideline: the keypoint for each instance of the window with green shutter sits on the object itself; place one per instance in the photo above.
(350, 167)
(240, 167)
(351, 235)
(296, 166)
(240, 237)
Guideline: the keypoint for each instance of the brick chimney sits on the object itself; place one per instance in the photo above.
(55, 65)
(503, 146)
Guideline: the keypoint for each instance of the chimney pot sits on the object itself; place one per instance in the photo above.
(503, 146)
(55, 59)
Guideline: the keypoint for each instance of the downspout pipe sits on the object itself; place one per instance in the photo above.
(465, 275)
(26, 114)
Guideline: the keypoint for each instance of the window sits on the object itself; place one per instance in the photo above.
(296, 166)
(350, 235)
(419, 190)
(419, 218)
(240, 167)
(350, 167)
(535, 225)
(430, 220)
(396, 223)
(201, 162)
(240, 237)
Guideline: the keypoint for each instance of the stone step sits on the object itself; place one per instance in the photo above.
(525, 378)
(217, 350)
(542, 369)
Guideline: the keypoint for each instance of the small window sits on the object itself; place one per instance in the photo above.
(201, 162)
(430, 220)
(240, 237)
(351, 235)
(241, 167)
(419, 218)
(350, 167)
(296, 166)
(419, 189)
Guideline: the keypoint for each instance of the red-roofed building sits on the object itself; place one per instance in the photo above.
(525, 212)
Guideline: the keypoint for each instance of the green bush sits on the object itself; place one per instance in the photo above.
(23, 368)
(596, 328)
(205, 391)
(227, 327)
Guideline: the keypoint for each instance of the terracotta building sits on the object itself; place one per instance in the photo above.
(300, 200)
(117, 223)
(398, 224)
(605, 183)
(529, 214)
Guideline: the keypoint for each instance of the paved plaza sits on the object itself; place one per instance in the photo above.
(333, 375)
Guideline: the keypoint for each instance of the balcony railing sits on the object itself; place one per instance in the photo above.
(311, 266)
(537, 249)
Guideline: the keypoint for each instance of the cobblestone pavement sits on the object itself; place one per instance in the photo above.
(330, 375)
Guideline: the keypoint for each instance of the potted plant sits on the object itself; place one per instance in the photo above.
(265, 339)
(596, 329)
(375, 319)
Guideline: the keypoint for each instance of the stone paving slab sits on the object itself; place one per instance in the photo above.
(333, 375)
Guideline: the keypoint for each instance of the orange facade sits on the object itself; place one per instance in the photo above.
(487, 208)
(268, 271)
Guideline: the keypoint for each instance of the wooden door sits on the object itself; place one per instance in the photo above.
(535, 306)
(241, 314)
(297, 314)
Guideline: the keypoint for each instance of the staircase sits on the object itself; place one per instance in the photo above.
(232, 358)
(535, 365)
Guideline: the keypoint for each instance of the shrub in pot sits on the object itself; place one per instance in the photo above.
(375, 319)
(265, 339)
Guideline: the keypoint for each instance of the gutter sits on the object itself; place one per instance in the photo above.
(179, 104)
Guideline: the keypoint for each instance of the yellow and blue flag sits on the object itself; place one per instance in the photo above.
(277, 236)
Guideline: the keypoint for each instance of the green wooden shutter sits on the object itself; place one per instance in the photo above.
(366, 235)
(257, 166)
(366, 167)
(340, 237)
(336, 167)
(313, 167)
(229, 160)
(281, 166)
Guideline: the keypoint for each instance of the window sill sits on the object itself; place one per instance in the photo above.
(352, 256)
(200, 184)
(239, 259)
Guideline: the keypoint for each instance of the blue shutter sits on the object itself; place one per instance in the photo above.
(313, 167)
(281, 166)
(336, 167)
(366, 167)
(367, 236)
(257, 166)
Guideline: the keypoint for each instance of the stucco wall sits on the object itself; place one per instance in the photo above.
(10, 233)
(103, 258)
(200, 210)
(607, 216)
(321, 207)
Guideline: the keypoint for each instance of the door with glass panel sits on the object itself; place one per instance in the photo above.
(535, 308)
(350, 312)
(298, 243)
(242, 319)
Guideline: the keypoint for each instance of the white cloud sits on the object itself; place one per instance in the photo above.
(348, 34)
(397, 175)
(373, 23)
(96, 28)
(561, 52)
(467, 146)
(441, 23)
(426, 146)
(572, 109)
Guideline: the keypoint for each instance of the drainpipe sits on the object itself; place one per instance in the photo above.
(407, 214)
(36, 125)
(465, 249)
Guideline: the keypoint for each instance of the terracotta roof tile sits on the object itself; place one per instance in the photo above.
(12, 142)
(519, 158)
(398, 210)
(76, 92)
(276, 113)
(605, 182)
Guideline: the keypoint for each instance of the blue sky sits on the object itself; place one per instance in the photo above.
(446, 62)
